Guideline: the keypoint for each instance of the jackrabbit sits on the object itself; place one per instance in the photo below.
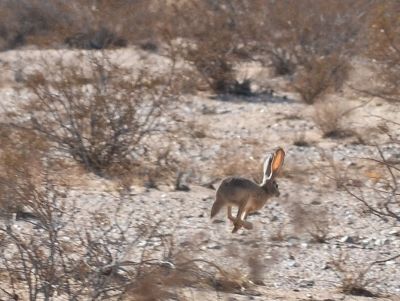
(246, 194)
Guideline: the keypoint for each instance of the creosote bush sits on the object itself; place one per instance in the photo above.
(83, 24)
(21, 161)
(207, 35)
(103, 115)
(329, 117)
(384, 49)
(320, 77)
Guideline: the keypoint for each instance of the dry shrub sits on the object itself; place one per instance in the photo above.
(313, 41)
(237, 164)
(385, 202)
(41, 263)
(296, 33)
(376, 188)
(104, 116)
(105, 24)
(321, 76)
(354, 280)
(80, 24)
(206, 35)
(23, 20)
(21, 161)
(384, 49)
(314, 221)
(329, 116)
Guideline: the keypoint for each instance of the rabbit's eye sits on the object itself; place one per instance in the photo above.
(276, 185)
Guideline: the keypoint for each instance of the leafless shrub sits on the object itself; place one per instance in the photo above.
(329, 117)
(300, 140)
(16, 176)
(310, 220)
(377, 188)
(228, 163)
(79, 24)
(386, 203)
(321, 76)
(354, 281)
(58, 252)
(313, 42)
(384, 49)
(105, 24)
(210, 41)
(41, 263)
(22, 20)
(103, 115)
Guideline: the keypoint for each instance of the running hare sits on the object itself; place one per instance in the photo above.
(248, 195)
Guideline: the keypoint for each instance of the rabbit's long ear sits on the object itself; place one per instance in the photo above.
(267, 168)
(277, 161)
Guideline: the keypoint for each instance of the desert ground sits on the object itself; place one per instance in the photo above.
(307, 244)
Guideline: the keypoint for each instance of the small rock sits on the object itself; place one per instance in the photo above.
(306, 283)
(394, 232)
(347, 239)
(304, 245)
(390, 262)
(214, 247)
(274, 218)
(292, 263)
(382, 242)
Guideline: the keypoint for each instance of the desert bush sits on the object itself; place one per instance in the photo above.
(230, 163)
(79, 24)
(99, 256)
(207, 35)
(377, 190)
(21, 159)
(383, 48)
(58, 250)
(112, 24)
(353, 280)
(321, 76)
(329, 117)
(103, 115)
(312, 42)
(387, 203)
(95, 39)
(317, 40)
(23, 20)
(310, 220)
(41, 263)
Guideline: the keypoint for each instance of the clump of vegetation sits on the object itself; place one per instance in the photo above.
(329, 116)
(384, 49)
(207, 36)
(79, 24)
(103, 115)
(22, 155)
(354, 281)
(313, 221)
(321, 76)
(313, 44)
